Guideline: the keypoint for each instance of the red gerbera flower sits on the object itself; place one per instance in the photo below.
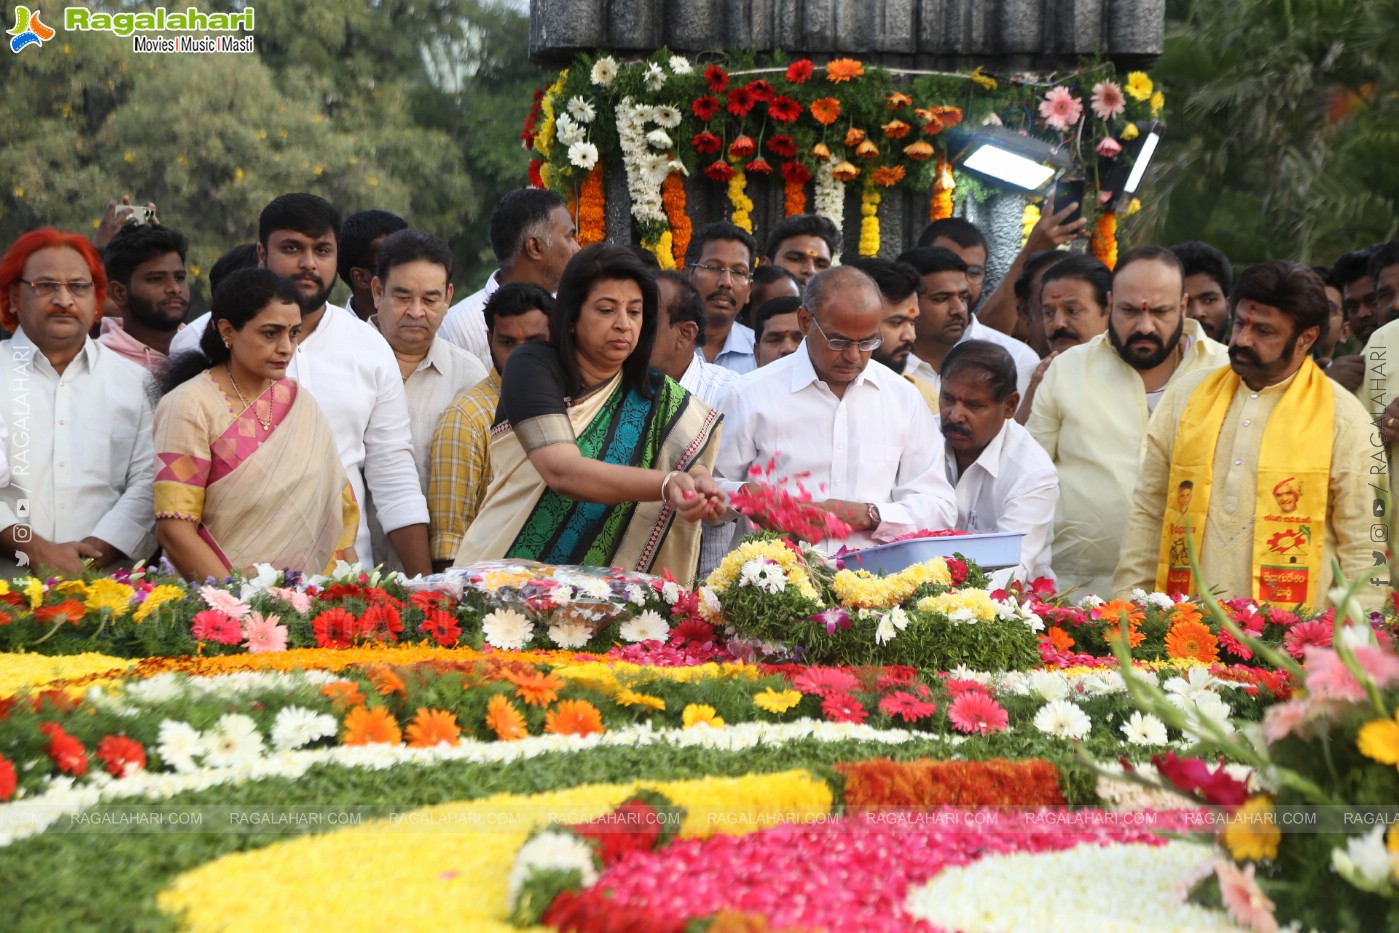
(335, 628)
(842, 707)
(442, 626)
(536, 180)
(706, 108)
(719, 170)
(825, 681)
(1193, 775)
(707, 143)
(782, 146)
(956, 687)
(743, 146)
(66, 751)
(975, 711)
(8, 782)
(799, 72)
(761, 91)
(70, 611)
(796, 173)
(696, 630)
(957, 569)
(717, 78)
(784, 109)
(381, 621)
(337, 591)
(215, 626)
(759, 167)
(907, 706)
(121, 754)
(1304, 635)
(741, 101)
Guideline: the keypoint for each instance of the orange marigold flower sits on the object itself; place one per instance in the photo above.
(888, 175)
(845, 171)
(536, 688)
(343, 694)
(898, 99)
(385, 681)
(1060, 639)
(1192, 640)
(843, 69)
(896, 129)
(919, 151)
(574, 717)
(433, 727)
(825, 111)
(502, 718)
(364, 726)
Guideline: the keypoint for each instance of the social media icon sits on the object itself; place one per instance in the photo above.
(22, 533)
(22, 508)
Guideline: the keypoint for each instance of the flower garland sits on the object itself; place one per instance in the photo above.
(869, 219)
(1104, 245)
(794, 179)
(646, 168)
(940, 207)
(864, 590)
(742, 204)
(830, 194)
(673, 199)
(592, 208)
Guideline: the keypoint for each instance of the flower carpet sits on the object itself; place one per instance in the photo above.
(525, 747)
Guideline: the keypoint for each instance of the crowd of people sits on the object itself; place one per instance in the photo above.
(584, 406)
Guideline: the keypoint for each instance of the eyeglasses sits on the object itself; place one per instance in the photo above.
(841, 344)
(47, 289)
(737, 273)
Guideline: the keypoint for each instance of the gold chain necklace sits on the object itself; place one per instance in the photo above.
(266, 424)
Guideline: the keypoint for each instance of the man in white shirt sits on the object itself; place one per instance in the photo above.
(412, 291)
(945, 299)
(1005, 481)
(350, 371)
(533, 238)
(81, 451)
(357, 255)
(720, 262)
(856, 436)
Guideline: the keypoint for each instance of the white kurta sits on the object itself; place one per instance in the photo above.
(465, 323)
(1026, 359)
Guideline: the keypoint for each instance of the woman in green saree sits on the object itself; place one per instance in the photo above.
(595, 458)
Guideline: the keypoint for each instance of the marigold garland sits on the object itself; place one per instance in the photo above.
(940, 207)
(869, 219)
(592, 209)
(1104, 243)
(793, 195)
(673, 199)
(742, 204)
(997, 782)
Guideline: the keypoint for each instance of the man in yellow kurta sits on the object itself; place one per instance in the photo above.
(1277, 456)
(1091, 410)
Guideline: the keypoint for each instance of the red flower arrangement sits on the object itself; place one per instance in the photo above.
(741, 101)
(8, 781)
(716, 78)
(742, 147)
(707, 143)
(719, 170)
(794, 179)
(997, 782)
(762, 91)
(800, 71)
(121, 754)
(705, 108)
(66, 751)
(784, 109)
(782, 146)
(442, 626)
(759, 166)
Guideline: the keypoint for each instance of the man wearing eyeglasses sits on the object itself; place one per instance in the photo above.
(720, 263)
(858, 437)
(80, 448)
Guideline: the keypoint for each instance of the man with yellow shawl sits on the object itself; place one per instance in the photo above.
(1276, 459)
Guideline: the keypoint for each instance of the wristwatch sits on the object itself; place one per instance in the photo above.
(872, 513)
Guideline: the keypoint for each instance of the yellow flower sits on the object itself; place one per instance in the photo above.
(628, 697)
(34, 590)
(983, 79)
(1252, 831)
(1139, 85)
(4, 587)
(1134, 206)
(1379, 740)
(1130, 132)
(155, 599)
(701, 714)
(977, 602)
(1158, 101)
(109, 594)
(774, 702)
(861, 589)
(792, 567)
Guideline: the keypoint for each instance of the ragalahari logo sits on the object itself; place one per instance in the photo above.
(29, 30)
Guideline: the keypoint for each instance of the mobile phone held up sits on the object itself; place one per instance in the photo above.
(1069, 191)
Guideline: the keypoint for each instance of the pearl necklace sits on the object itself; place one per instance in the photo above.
(267, 423)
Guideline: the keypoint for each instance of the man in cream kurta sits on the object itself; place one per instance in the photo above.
(1091, 410)
(1267, 370)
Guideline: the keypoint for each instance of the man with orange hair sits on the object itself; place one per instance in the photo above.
(80, 448)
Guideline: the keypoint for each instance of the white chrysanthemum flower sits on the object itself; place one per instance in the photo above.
(885, 632)
(1049, 684)
(570, 634)
(636, 595)
(666, 116)
(1160, 601)
(296, 727)
(551, 851)
(1197, 680)
(962, 672)
(1091, 602)
(581, 110)
(233, 741)
(604, 71)
(569, 132)
(593, 588)
(654, 77)
(1144, 729)
(179, 744)
(680, 65)
(659, 139)
(670, 592)
(1064, 719)
(962, 614)
(507, 629)
(583, 155)
(647, 626)
(1137, 595)
(898, 617)
(162, 688)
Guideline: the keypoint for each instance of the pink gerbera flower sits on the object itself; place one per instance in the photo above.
(264, 633)
(224, 601)
(825, 681)
(1233, 646)
(1107, 100)
(975, 711)
(956, 688)
(1248, 906)
(907, 706)
(1060, 109)
(1304, 635)
(212, 625)
(298, 601)
(1281, 719)
(842, 707)
(1328, 677)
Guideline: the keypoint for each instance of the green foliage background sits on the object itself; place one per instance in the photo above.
(412, 107)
